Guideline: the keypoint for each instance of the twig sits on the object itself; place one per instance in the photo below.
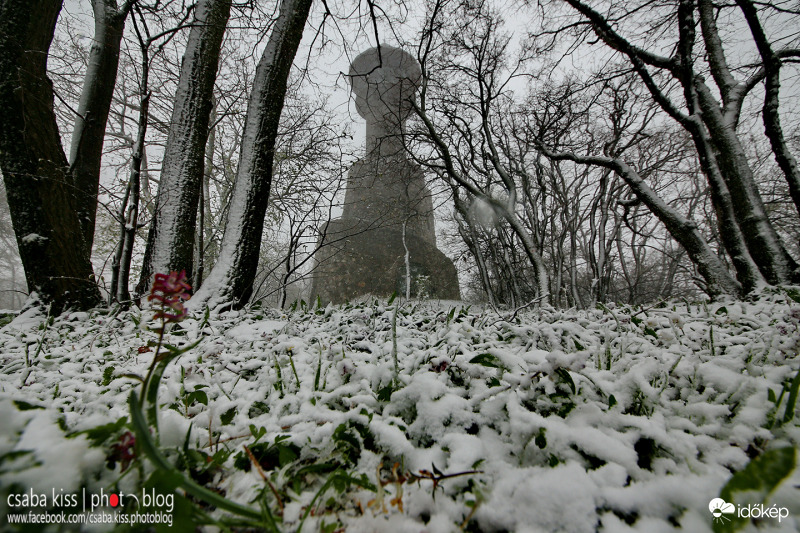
(470, 515)
(646, 309)
(232, 438)
(513, 315)
(264, 477)
(436, 478)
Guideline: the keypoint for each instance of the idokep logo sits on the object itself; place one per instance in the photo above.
(719, 508)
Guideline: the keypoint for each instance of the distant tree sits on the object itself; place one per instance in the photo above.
(128, 216)
(562, 170)
(307, 186)
(631, 130)
(464, 81)
(12, 279)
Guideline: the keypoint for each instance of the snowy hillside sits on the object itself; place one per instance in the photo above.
(439, 418)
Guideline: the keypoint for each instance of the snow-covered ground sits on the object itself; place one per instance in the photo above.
(614, 419)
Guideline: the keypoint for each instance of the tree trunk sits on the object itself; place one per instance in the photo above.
(170, 241)
(733, 240)
(529, 247)
(713, 128)
(90, 126)
(199, 238)
(705, 121)
(763, 243)
(231, 280)
(117, 260)
(130, 222)
(470, 237)
(504, 209)
(46, 225)
(129, 211)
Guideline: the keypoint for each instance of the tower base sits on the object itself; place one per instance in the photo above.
(373, 262)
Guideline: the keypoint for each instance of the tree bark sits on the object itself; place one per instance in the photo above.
(232, 278)
(764, 246)
(203, 205)
(470, 237)
(763, 243)
(130, 220)
(733, 240)
(171, 239)
(35, 169)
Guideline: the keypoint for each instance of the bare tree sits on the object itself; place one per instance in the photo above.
(772, 69)
(129, 211)
(479, 137)
(465, 149)
(307, 186)
(748, 235)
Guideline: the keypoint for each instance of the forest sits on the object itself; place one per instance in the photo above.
(590, 157)
(615, 184)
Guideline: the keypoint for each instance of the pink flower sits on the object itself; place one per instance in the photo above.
(124, 450)
(170, 291)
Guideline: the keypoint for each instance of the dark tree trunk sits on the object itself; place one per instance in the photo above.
(231, 280)
(171, 239)
(759, 234)
(470, 237)
(90, 126)
(747, 272)
(730, 195)
(129, 214)
(35, 169)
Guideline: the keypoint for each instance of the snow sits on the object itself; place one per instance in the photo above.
(33, 237)
(559, 499)
(54, 457)
(482, 213)
(667, 403)
(255, 330)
